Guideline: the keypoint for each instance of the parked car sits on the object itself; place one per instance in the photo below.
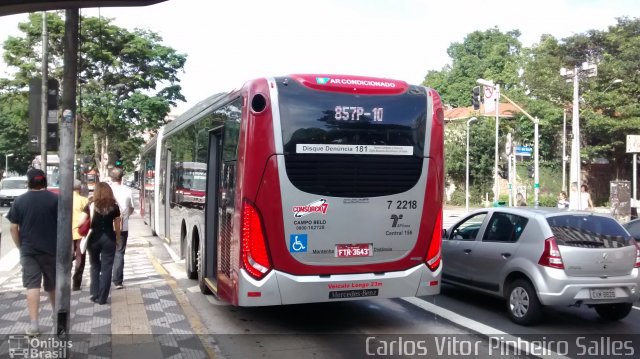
(633, 227)
(10, 188)
(544, 257)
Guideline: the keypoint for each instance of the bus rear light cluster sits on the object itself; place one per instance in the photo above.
(434, 254)
(255, 258)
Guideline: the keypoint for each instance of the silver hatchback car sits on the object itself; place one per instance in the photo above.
(538, 257)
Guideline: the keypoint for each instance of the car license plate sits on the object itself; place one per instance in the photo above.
(603, 293)
(353, 250)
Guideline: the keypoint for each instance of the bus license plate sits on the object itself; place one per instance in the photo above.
(603, 293)
(353, 250)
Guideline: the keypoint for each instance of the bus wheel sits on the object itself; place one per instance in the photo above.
(189, 264)
(204, 289)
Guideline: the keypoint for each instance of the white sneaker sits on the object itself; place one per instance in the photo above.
(32, 330)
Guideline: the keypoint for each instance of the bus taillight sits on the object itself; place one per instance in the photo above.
(255, 258)
(434, 254)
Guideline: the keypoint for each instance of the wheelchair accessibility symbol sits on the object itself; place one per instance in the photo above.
(297, 243)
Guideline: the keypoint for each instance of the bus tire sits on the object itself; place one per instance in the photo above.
(204, 289)
(189, 265)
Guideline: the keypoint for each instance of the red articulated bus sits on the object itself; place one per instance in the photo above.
(313, 188)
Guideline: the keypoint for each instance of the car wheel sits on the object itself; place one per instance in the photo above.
(614, 311)
(523, 305)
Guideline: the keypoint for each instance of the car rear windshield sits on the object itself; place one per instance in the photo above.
(588, 231)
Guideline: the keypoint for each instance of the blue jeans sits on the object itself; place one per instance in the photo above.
(118, 263)
(101, 253)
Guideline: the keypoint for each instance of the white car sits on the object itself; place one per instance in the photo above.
(12, 187)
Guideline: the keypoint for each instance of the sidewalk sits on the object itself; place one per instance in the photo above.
(149, 318)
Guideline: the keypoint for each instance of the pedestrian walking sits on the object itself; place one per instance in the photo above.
(34, 229)
(124, 197)
(79, 203)
(105, 232)
(585, 198)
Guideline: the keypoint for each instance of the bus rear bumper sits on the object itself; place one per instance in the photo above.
(281, 288)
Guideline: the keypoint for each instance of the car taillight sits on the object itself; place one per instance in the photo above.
(551, 255)
(434, 253)
(255, 258)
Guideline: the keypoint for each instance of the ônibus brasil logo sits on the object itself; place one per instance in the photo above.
(319, 206)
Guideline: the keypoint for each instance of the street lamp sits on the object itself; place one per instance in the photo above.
(466, 196)
(616, 81)
(6, 163)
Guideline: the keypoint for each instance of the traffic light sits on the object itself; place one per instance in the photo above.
(475, 98)
(53, 92)
(118, 162)
(35, 112)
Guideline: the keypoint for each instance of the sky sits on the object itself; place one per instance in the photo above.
(230, 42)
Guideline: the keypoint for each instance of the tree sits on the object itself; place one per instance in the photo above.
(608, 111)
(13, 136)
(488, 54)
(127, 79)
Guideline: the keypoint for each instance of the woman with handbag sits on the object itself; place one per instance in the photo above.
(104, 232)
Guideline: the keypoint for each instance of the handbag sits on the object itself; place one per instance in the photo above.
(83, 229)
(85, 239)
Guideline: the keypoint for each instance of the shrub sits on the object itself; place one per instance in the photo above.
(548, 200)
(457, 198)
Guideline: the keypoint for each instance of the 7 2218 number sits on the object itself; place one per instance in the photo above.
(402, 204)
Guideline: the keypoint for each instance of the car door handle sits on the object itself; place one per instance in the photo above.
(505, 255)
(467, 251)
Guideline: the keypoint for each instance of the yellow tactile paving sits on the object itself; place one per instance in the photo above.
(129, 321)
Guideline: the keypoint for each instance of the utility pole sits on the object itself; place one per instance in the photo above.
(466, 193)
(564, 150)
(496, 178)
(45, 91)
(587, 70)
(66, 153)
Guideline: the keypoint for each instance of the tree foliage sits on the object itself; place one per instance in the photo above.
(127, 79)
(609, 110)
(488, 54)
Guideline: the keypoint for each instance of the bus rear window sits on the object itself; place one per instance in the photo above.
(323, 122)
